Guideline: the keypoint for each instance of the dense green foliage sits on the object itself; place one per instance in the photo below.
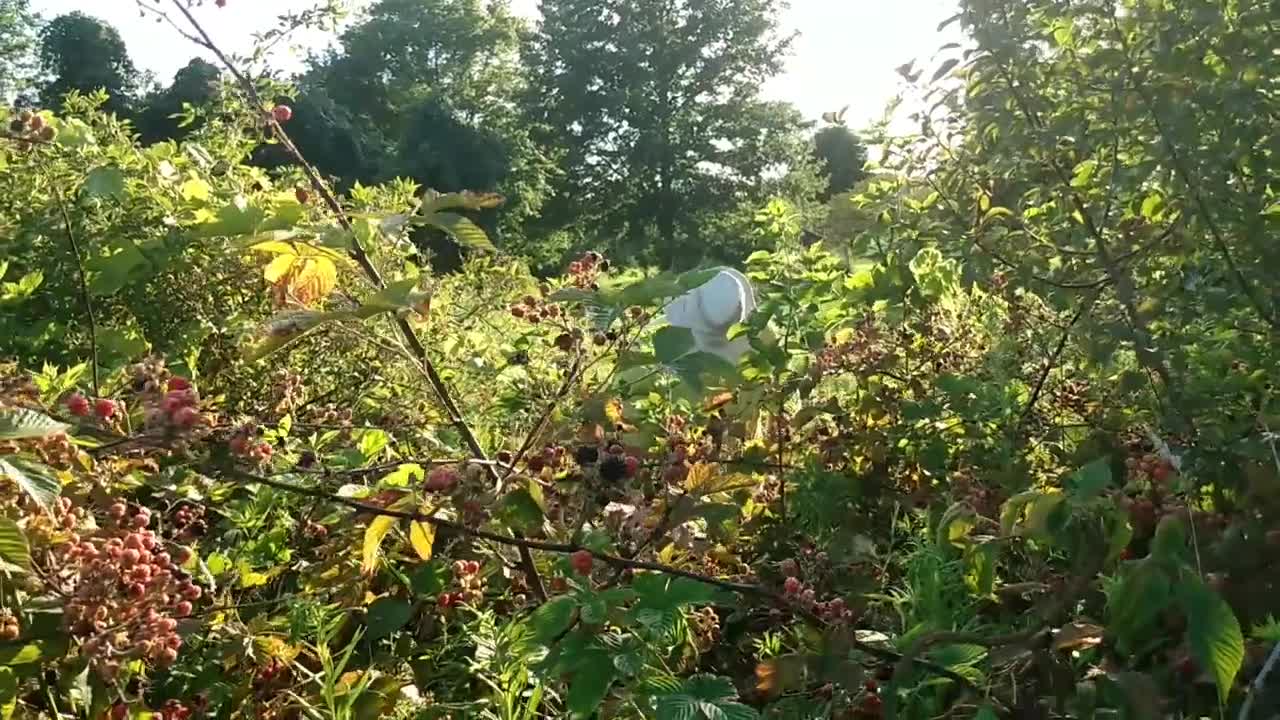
(1003, 445)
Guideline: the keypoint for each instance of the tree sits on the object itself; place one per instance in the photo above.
(841, 156)
(656, 106)
(17, 43)
(194, 85)
(432, 88)
(79, 52)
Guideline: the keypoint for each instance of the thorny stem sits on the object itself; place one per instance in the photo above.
(84, 287)
(361, 258)
(618, 562)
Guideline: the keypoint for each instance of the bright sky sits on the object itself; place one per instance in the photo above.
(844, 55)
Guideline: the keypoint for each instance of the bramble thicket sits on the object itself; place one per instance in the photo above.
(343, 425)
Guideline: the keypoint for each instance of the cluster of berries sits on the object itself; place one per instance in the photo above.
(104, 409)
(175, 710)
(833, 610)
(188, 522)
(552, 457)
(246, 444)
(585, 271)
(616, 465)
(470, 583)
(1149, 466)
(178, 408)
(127, 595)
(31, 126)
(270, 676)
(534, 310)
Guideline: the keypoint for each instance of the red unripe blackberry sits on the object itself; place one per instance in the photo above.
(104, 408)
(582, 561)
(78, 405)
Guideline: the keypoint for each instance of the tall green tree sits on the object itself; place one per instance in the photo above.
(432, 89)
(17, 48)
(80, 52)
(841, 156)
(656, 107)
(196, 84)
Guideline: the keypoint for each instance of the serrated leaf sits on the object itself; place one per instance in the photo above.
(371, 548)
(23, 423)
(672, 343)
(1137, 599)
(422, 537)
(429, 579)
(590, 685)
(1091, 479)
(395, 296)
(104, 182)
(1213, 633)
(551, 618)
(13, 545)
(944, 69)
(462, 230)
(520, 510)
(36, 480)
(387, 615)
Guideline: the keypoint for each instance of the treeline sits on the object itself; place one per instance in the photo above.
(637, 127)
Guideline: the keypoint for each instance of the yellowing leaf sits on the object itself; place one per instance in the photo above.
(699, 477)
(421, 537)
(372, 547)
(313, 279)
(279, 267)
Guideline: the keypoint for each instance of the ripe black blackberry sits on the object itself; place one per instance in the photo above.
(613, 468)
(587, 454)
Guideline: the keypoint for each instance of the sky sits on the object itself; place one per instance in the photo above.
(844, 53)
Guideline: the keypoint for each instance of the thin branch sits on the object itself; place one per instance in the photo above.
(84, 285)
(1057, 353)
(616, 561)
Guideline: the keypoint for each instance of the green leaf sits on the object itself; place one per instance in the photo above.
(657, 591)
(1090, 480)
(1213, 632)
(395, 296)
(14, 550)
(1170, 540)
(114, 270)
(704, 696)
(671, 343)
(954, 527)
(520, 510)
(943, 69)
(23, 423)
(659, 287)
(590, 685)
(551, 618)
(986, 712)
(1137, 599)
(1083, 173)
(104, 182)
(25, 654)
(429, 579)
(35, 479)
(8, 693)
(387, 615)
(462, 230)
